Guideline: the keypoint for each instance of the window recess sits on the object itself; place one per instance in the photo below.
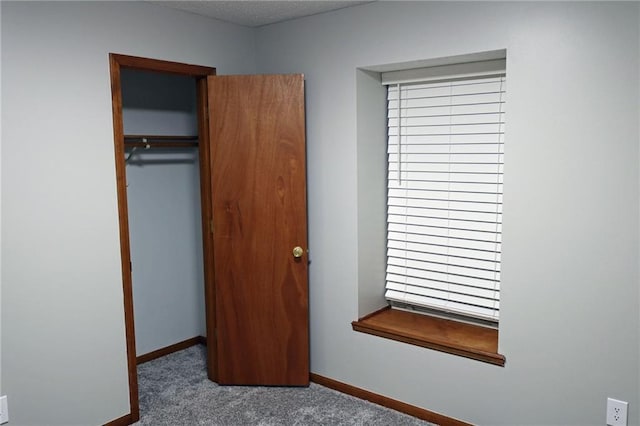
(445, 178)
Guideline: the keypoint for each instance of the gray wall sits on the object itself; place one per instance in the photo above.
(570, 315)
(63, 342)
(165, 228)
(569, 320)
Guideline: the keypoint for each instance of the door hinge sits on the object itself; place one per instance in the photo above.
(211, 226)
(130, 266)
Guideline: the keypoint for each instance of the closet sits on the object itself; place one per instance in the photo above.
(163, 196)
(211, 181)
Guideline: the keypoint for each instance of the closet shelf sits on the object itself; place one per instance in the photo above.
(160, 141)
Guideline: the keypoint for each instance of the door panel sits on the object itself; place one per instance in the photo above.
(257, 136)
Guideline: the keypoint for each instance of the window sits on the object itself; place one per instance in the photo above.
(444, 203)
(430, 168)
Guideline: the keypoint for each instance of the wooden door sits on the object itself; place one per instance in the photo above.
(257, 139)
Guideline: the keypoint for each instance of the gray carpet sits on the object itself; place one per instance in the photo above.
(174, 390)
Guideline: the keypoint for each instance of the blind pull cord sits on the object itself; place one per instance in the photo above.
(399, 136)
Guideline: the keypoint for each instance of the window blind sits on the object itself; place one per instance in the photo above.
(444, 203)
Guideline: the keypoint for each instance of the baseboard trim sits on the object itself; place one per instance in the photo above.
(125, 420)
(394, 404)
(198, 340)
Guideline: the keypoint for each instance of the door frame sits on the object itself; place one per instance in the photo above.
(199, 73)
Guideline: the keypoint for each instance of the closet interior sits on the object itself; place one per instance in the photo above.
(159, 113)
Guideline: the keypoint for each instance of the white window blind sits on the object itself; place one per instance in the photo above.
(444, 203)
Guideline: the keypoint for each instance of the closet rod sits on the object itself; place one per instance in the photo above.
(150, 144)
(139, 138)
(160, 141)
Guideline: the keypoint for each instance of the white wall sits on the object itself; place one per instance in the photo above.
(570, 317)
(165, 228)
(63, 344)
(571, 200)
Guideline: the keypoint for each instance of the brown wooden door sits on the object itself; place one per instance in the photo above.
(257, 136)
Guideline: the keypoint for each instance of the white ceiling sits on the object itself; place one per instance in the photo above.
(257, 13)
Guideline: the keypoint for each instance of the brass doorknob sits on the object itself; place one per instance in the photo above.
(297, 252)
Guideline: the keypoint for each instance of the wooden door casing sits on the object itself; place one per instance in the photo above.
(258, 180)
(199, 73)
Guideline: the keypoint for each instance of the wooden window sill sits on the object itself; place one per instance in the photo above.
(458, 338)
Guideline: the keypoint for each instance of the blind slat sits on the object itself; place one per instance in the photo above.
(488, 246)
(481, 217)
(448, 110)
(484, 148)
(420, 276)
(400, 256)
(436, 207)
(448, 139)
(478, 297)
(419, 249)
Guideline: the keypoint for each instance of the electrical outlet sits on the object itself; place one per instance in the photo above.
(616, 412)
(4, 410)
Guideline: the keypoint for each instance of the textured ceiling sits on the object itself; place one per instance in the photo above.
(257, 13)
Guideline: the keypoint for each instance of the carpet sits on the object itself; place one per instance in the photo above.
(174, 390)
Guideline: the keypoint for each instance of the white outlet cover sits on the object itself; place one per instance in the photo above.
(4, 410)
(616, 412)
